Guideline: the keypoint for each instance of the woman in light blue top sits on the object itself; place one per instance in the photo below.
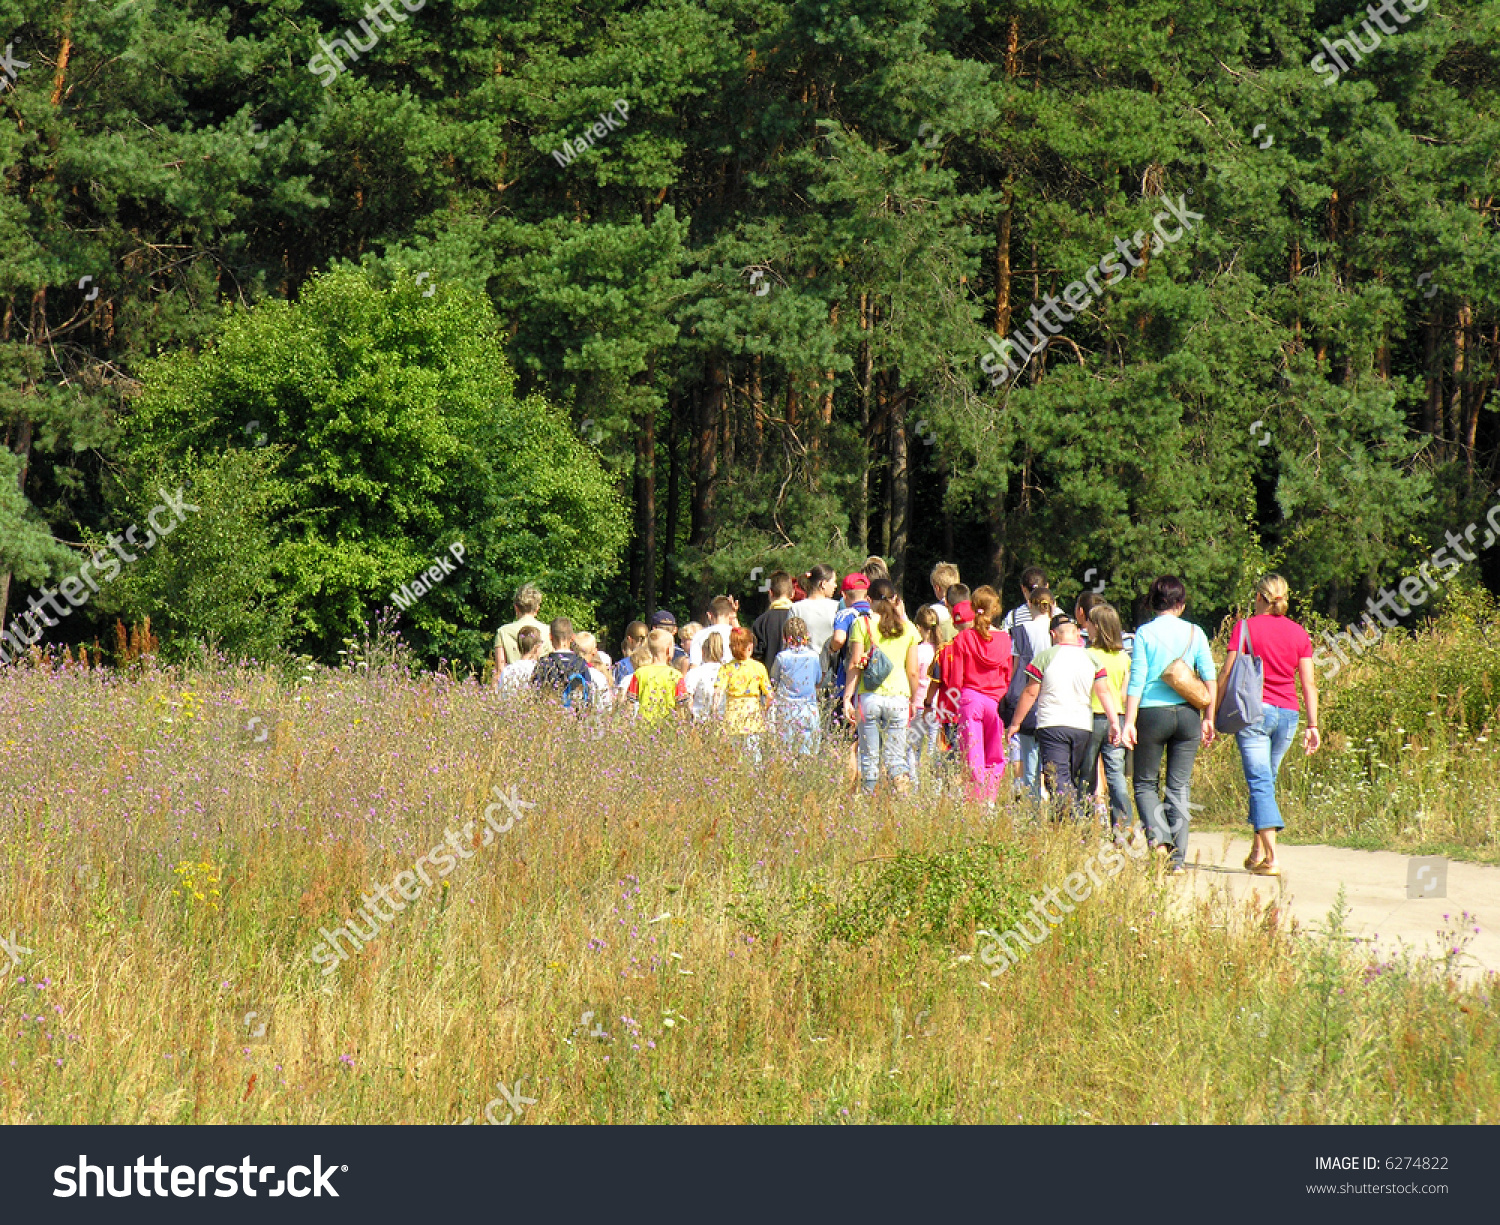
(1159, 720)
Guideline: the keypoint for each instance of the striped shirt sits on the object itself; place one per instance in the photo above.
(1018, 615)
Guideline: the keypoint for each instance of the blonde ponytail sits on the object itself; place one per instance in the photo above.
(1274, 591)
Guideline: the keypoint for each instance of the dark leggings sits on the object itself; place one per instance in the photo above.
(1173, 730)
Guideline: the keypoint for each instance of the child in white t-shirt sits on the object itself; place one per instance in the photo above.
(587, 646)
(516, 678)
(702, 682)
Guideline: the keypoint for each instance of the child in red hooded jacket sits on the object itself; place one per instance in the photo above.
(978, 671)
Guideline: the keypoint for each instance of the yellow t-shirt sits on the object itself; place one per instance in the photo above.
(657, 689)
(1116, 665)
(896, 685)
(744, 684)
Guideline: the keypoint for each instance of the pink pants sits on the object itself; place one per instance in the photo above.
(983, 737)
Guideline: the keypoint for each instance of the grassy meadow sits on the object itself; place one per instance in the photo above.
(671, 935)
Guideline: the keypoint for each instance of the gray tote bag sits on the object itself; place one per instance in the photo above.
(1244, 694)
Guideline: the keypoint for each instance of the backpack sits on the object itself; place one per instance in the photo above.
(1022, 654)
(578, 691)
(843, 659)
(877, 663)
(573, 682)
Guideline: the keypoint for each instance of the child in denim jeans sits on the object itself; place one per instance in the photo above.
(795, 674)
(922, 733)
(1107, 649)
(885, 709)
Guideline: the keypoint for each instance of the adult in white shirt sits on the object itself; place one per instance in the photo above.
(818, 610)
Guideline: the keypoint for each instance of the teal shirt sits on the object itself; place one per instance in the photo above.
(1156, 645)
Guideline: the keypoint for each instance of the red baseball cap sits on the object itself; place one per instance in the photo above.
(963, 611)
(856, 582)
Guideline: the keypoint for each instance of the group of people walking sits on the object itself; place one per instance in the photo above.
(1070, 707)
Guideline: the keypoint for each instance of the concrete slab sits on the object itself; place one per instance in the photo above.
(1375, 887)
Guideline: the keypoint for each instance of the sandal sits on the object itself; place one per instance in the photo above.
(1251, 863)
(1267, 868)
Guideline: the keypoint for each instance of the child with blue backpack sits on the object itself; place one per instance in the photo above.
(565, 671)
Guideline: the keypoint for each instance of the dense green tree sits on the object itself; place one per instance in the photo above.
(763, 290)
(214, 582)
(149, 172)
(398, 436)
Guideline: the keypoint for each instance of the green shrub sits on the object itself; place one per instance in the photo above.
(937, 898)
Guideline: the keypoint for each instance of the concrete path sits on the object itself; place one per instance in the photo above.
(1374, 888)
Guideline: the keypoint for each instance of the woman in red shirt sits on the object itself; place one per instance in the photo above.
(978, 670)
(1285, 651)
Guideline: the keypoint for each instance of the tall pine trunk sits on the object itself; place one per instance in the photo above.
(859, 521)
(879, 535)
(645, 460)
(670, 582)
(709, 407)
(900, 487)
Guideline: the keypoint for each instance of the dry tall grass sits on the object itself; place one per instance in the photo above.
(669, 935)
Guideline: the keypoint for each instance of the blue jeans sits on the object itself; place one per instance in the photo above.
(800, 725)
(921, 737)
(1114, 773)
(882, 733)
(1029, 754)
(1262, 746)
